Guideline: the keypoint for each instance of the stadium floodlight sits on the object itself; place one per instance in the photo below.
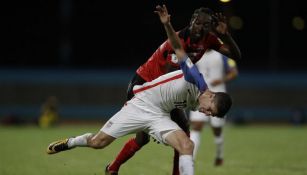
(225, 1)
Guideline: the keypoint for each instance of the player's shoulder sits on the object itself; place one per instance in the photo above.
(169, 76)
(173, 73)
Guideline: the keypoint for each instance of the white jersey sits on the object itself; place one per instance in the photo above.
(168, 92)
(214, 66)
(150, 108)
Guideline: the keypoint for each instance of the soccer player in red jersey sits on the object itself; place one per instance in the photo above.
(196, 38)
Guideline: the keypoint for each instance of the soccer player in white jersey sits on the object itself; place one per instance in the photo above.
(217, 70)
(150, 108)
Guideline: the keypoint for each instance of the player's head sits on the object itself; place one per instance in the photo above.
(201, 23)
(214, 104)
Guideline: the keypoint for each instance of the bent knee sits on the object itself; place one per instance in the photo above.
(197, 126)
(186, 147)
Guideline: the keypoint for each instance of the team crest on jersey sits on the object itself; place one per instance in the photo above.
(174, 58)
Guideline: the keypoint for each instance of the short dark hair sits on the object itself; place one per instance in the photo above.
(223, 103)
(204, 10)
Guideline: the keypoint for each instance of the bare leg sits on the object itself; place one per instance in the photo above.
(179, 117)
(98, 141)
(181, 142)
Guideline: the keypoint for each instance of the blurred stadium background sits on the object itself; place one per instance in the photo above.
(85, 52)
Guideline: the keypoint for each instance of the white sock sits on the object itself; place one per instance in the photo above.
(79, 140)
(186, 165)
(195, 137)
(219, 141)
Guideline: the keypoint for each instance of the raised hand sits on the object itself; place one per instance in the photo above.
(221, 23)
(163, 14)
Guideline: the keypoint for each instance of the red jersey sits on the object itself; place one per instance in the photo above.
(161, 61)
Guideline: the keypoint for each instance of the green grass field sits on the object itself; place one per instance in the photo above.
(249, 150)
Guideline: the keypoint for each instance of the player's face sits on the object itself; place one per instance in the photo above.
(200, 26)
(207, 105)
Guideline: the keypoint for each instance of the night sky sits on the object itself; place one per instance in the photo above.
(124, 34)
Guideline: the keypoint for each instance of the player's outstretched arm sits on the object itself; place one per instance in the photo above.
(231, 49)
(165, 19)
(190, 71)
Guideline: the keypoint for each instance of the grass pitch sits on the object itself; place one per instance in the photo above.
(249, 150)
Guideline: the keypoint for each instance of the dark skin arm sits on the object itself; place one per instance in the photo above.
(230, 47)
(171, 34)
(177, 46)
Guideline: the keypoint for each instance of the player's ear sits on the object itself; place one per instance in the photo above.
(211, 94)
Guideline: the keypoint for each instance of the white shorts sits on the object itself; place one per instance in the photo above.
(201, 117)
(138, 116)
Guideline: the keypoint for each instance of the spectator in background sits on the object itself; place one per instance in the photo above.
(217, 70)
(49, 113)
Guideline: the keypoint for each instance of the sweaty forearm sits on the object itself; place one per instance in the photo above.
(175, 41)
(172, 36)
